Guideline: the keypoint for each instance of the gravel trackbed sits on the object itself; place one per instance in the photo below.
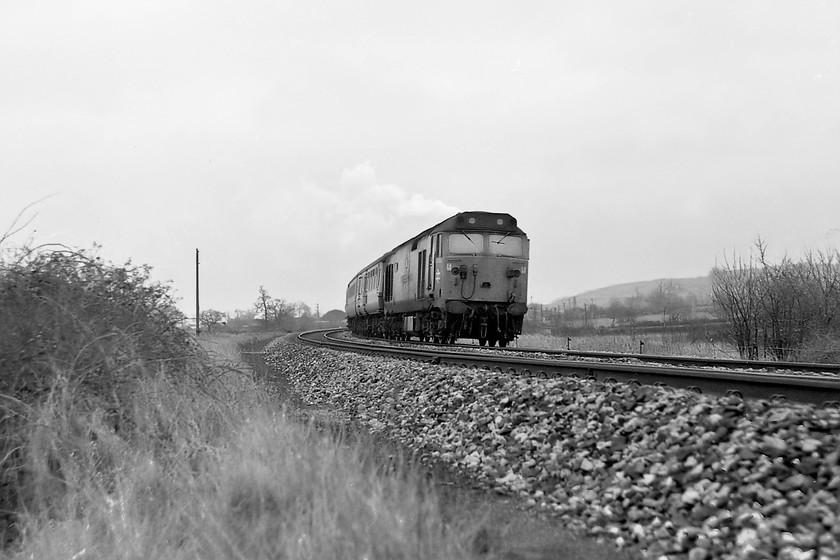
(671, 474)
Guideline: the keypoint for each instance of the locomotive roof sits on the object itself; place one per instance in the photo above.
(463, 221)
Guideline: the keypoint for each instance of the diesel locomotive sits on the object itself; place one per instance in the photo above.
(466, 277)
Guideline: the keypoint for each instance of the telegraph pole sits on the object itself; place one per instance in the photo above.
(197, 307)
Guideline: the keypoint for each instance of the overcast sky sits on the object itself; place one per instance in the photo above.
(294, 142)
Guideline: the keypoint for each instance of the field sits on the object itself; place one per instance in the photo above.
(667, 344)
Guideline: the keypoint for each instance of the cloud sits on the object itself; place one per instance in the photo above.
(420, 206)
(359, 176)
(339, 226)
(335, 228)
(366, 208)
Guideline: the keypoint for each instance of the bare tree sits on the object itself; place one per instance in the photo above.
(783, 312)
(305, 320)
(666, 299)
(282, 313)
(778, 307)
(244, 314)
(210, 318)
(263, 305)
(735, 295)
(823, 268)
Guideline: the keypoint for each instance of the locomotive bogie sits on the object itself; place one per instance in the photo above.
(464, 278)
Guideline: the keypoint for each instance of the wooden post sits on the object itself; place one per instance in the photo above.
(197, 307)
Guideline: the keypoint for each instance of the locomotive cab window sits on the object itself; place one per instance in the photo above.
(466, 244)
(505, 245)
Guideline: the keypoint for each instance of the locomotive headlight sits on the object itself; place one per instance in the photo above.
(513, 273)
(455, 271)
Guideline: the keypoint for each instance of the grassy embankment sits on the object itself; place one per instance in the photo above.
(121, 437)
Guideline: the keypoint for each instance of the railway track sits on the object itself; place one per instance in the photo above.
(816, 384)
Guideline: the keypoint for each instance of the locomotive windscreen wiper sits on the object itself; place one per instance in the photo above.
(499, 242)
(468, 237)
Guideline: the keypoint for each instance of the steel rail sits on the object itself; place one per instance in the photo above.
(728, 363)
(771, 386)
(698, 362)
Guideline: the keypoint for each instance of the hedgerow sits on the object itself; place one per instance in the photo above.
(76, 336)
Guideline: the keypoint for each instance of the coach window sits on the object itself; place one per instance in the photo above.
(465, 244)
(505, 245)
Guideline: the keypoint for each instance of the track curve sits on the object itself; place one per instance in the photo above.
(802, 387)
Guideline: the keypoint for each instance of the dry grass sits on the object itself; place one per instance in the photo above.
(665, 344)
(219, 471)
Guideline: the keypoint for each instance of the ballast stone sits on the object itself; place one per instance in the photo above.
(733, 476)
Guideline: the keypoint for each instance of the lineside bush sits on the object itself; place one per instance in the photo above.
(788, 310)
(76, 336)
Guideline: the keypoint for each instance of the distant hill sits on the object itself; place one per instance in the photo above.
(700, 286)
